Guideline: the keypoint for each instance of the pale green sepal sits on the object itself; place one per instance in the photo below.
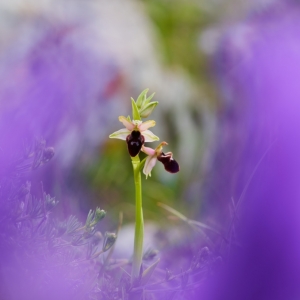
(120, 134)
(150, 136)
(128, 118)
(148, 272)
(135, 111)
(141, 98)
(148, 100)
(147, 109)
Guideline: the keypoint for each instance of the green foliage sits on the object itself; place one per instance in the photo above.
(111, 180)
(179, 23)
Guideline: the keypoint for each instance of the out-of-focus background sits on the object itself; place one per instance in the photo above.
(226, 75)
(68, 70)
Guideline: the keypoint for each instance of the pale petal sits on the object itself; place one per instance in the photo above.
(146, 125)
(148, 151)
(126, 123)
(149, 165)
(150, 136)
(120, 134)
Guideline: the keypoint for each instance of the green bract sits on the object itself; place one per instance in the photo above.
(142, 107)
(141, 98)
(147, 100)
(135, 111)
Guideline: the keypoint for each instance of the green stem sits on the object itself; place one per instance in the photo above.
(139, 221)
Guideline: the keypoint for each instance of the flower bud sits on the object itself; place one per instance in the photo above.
(150, 254)
(109, 241)
(48, 153)
(147, 109)
(99, 214)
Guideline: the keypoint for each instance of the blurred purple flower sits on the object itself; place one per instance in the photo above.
(260, 81)
(55, 86)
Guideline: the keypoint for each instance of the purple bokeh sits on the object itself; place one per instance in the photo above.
(260, 81)
(259, 74)
(57, 87)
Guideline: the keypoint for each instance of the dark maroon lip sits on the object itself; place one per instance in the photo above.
(170, 164)
(135, 140)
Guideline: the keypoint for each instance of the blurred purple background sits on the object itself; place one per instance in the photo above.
(67, 72)
(259, 72)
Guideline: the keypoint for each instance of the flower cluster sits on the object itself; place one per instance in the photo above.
(136, 133)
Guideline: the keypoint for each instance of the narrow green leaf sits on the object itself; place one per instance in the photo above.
(147, 110)
(135, 111)
(192, 223)
(141, 165)
(148, 272)
(141, 98)
(173, 211)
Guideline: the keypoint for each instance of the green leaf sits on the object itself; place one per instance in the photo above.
(141, 98)
(147, 110)
(135, 111)
(148, 272)
(141, 164)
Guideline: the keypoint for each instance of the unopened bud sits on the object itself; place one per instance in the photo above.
(109, 241)
(99, 214)
(48, 153)
(150, 254)
(147, 109)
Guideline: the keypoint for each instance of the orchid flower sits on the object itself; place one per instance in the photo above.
(135, 134)
(166, 159)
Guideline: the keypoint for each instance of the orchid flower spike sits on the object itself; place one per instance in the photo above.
(135, 134)
(166, 159)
